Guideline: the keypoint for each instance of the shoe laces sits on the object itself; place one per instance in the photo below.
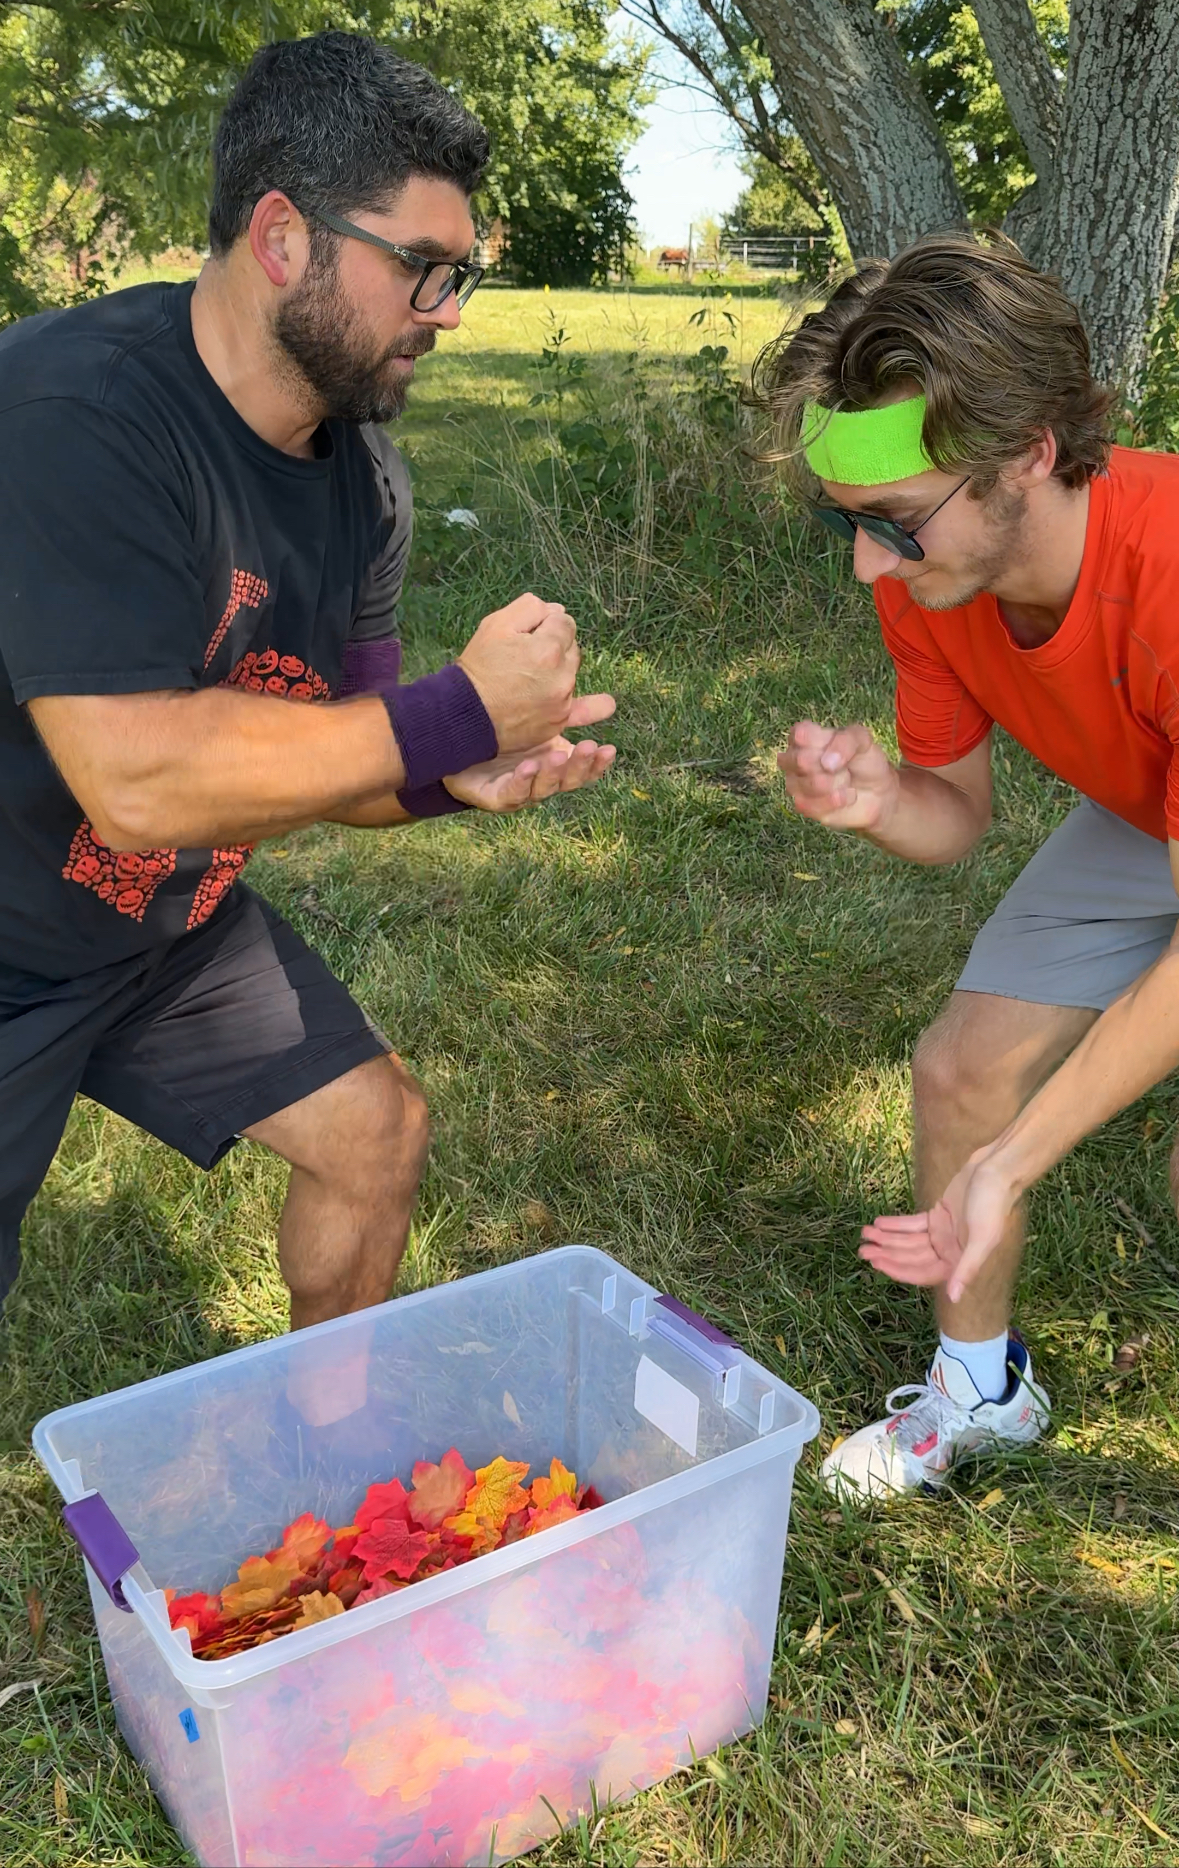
(923, 1409)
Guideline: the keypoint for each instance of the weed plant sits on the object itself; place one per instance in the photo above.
(670, 1017)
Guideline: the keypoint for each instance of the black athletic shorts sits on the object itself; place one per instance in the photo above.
(194, 1042)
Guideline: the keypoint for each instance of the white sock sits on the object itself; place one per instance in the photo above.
(985, 1363)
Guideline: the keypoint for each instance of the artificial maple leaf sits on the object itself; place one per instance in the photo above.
(495, 1495)
(305, 1539)
(261, 1581)
(589, 1498)
(561, 1483)
(559, 1512)
(382, 1501)
(515, 1527)
(439, 1491)
(384, 1586)
(390, 1547)
(200, 1614)
(317, 1608)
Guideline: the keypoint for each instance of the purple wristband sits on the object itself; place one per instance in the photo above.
(441, 726)
(430, 801)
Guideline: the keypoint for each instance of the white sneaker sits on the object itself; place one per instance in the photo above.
(936, 1422)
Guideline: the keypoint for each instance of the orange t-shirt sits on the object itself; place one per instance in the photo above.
(1099, 702)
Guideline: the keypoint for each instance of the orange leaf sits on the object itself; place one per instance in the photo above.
(306, 1539)
(439, 1491)
(561, 1483)
(317, 1608)
(261, 1581)
(559, 1512)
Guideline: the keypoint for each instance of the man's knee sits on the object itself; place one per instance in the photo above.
(389, 1126)
(984, 1057)
(366, 1134)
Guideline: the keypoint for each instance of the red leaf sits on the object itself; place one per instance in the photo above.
(198, 1613)
(439, 1491)
(306, 1539)
(390, 1547)
(383, 1501)
(589, 1498)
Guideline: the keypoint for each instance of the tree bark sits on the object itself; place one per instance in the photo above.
(857, 107)
(1030, 87)
(1110, 220)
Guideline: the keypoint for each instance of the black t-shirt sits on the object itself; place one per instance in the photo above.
(150, 539)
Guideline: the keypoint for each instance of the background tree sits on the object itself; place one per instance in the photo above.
(919, 114)
(107, 109)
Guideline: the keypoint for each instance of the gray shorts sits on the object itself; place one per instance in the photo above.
(1093, 909)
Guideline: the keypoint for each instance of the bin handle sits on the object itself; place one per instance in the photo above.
(103, 1542)
(694, 1334)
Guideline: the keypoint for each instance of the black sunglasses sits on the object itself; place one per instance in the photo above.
(887, 532)
(438, 278)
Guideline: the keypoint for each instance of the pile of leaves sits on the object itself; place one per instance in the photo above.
(449, 1515)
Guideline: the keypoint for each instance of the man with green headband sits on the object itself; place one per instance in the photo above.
(1024, 574)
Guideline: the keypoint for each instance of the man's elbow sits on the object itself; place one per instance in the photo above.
(127, 818)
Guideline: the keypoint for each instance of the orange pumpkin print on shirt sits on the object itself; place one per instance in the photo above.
(127, 879)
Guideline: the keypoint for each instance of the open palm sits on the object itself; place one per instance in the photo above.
(950, 1242)
(517, 779)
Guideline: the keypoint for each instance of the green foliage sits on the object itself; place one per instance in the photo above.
(770, 203)
(1154, 420)
(942, 41)
(107, 113)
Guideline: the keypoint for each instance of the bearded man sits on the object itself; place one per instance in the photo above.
(1024, 573)
(203, 535)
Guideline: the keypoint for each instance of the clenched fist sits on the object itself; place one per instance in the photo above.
(840, 777)
(523, 660)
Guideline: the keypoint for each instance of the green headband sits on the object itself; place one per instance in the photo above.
(865, 447)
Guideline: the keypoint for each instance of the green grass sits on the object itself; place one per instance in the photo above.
(671, 1018)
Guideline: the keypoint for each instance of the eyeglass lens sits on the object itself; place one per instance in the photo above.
(886, 532)
(436, 286)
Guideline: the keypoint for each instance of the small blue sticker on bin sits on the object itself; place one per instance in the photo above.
(192, 1730)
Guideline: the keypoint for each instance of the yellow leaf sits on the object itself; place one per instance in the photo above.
(61, 1801)
(816, 1635)
(1103, 1564)
(847, 1728)
(838, 1441)
(551, 1096)
(981, 1826)
(1150, 1823)
(1120, 1246)
(780, 1345)
(903, 1607)
(800, 875)
(561, 1483)
(261, 1581)
(644, 795)
(1131, 1770)
(992, 1498)
(318, 1608)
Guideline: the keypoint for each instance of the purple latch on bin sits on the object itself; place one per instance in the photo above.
(103, 1542)
(693, 1334)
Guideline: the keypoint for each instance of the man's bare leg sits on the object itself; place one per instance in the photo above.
(356, 1148)
(981, 1060)
(973, 1071)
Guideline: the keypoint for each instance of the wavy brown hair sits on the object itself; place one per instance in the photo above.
(998, 350)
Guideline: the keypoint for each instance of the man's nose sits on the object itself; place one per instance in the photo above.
(871, 559)
(445, 317)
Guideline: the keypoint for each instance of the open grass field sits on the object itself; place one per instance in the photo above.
(670, 1018)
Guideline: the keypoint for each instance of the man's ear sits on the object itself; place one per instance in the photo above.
(1036, 465)
(278, 238)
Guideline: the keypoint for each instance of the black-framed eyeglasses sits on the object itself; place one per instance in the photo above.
(438, 277)
(887, 532)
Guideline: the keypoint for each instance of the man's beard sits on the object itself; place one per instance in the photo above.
(1004, 550)
(319, 334)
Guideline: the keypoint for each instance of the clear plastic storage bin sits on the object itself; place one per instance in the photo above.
(462, 1719)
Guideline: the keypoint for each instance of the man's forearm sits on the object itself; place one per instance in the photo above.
(380, 813)
(1132, 1046)
(932, 821)
(217, 767)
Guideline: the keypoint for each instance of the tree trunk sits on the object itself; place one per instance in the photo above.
(857, 107)
(1110, 220)
(1030, 87)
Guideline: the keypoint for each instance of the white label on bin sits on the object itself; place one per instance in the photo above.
(667, 1404)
